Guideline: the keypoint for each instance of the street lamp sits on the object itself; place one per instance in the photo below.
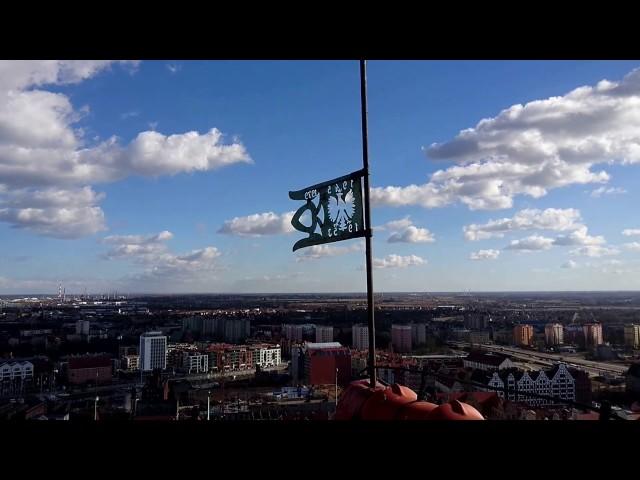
(208, 405)
(95, 409)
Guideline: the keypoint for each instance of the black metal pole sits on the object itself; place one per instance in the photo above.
(367, 219)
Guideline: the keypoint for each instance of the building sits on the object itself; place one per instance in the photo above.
(476, 321)
(632, 336)
(236, 330)
(502, 337)
(195, 362)
(360, 337)
(324, 334)
(15, 376)
(83, 327)
(592, 334)
(293, 333)
(153, 351)
(487, 361)
(418, 333)
(479, 337)
(175, 353)
(192, 324)
(324, 363)
(212, 327)
(583, 386)
(556, 382)
(523, 335)
(401, 338)
(265, 356)
(128, 350)
(130, 362)
(95, 369)
(226, 358)
(296, 366)
(553, 334)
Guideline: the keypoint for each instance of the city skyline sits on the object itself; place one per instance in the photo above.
(172, 176)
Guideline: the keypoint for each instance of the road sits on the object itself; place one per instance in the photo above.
(594, 368)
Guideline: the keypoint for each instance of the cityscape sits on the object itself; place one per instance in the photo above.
(511, 356)
(170, 236)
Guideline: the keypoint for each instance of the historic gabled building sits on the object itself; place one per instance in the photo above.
(556, 382)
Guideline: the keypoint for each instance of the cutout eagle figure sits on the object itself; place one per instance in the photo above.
(341, 210)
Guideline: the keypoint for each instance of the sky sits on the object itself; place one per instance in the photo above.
(173, 176)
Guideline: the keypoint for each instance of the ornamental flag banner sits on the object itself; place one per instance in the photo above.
(335, 211)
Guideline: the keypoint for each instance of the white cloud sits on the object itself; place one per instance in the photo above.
(259, 224)
(396, 225)
(629, 232)
(569, 264)
(633, 246)
(594, 251)
(531, 149)
(321, 251)
(43, 150)
(556, 219)
(403, 231)
(484, 255)
(598, 192)
(531, 243)
(412, 234)
(59, 213)
(137, 246)
(579, 237)
(151, 252)
(398, 261)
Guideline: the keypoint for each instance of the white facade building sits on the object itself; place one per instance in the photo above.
(557, 382)
(131, 362)
(195, 362)
(153, 351)
(13, 370)
(266, 356)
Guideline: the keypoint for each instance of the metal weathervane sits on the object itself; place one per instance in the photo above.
(338, 210)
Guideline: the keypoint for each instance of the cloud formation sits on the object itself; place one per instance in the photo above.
(403, 231)
(258, 225)
(44, 154)
(412, 234)
(556, 219)
(530, 244)
(531, 149)
(398, 261)
(485, 255)
(316, 252)
(633, 246)
(594, 251)
(630, 232)
(598, 192)
(569, 264)
(151, 252)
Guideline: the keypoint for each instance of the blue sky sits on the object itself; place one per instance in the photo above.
(90, 175)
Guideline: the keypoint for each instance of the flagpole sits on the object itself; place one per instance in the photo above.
(367, 219)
